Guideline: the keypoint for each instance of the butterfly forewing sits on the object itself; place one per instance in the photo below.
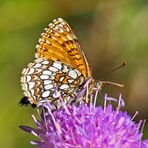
(58, 42)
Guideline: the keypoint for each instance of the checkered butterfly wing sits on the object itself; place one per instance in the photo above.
(44, 80)
(59, 70)
(59, 43)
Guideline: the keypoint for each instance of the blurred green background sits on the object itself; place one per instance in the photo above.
(110, 32)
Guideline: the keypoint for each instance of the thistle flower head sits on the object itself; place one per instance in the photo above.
(87, 126)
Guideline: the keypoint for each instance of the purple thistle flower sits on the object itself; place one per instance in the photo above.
(87, 126)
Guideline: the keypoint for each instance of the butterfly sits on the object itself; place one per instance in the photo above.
(60, 68)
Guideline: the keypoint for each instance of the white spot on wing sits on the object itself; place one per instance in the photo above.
(50, 25)
(70, 81)
(68, 30)
(30, 64)
(31, 85)
(40, 39)
(45, 62)
(65, 69)
(39, 60)
(60, 25)
(53, 69)
(44, 77)
(42, 34)
(54, 38)
(24, 71)
(61, 30)
(78, 72)
(61, 79)
(64, 86)
(57, 34)
(63, 23)
(48, 86)
(45, 94)
(37, 46)
(57, 65)
(31, 71)
(47, 41)
(37, 65)
(54, 20)
(73, 74)
(47, 72)
(28, 78)
(69, 37)
(36, 55)
(25, 87)
(32, 91)
(47, 82)
(60, 19)
(23, 79)
(56, 27)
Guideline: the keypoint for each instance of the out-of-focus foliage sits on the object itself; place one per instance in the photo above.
(109, 31)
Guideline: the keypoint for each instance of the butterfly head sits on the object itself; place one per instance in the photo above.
(98, 85)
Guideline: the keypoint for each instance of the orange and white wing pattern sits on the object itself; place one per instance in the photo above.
(59, 70)
(59, 43)
(45, 80)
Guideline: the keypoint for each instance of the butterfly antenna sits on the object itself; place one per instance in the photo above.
(122, 65)
(112, 83)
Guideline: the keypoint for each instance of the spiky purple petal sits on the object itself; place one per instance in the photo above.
(86, 126)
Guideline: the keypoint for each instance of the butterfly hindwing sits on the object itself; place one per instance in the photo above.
(43, 80)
